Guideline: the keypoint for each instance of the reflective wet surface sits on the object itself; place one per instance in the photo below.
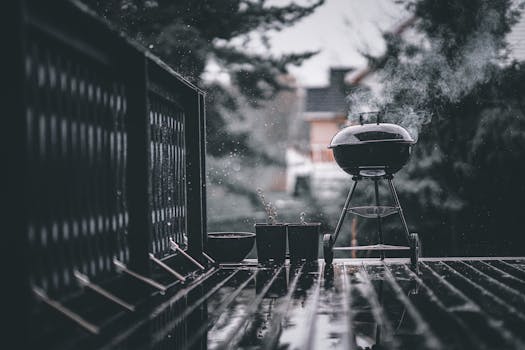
(354, 304)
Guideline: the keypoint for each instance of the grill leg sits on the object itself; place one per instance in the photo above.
(398, 205)
(379, 221)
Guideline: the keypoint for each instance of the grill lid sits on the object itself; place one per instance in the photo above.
(368, 133)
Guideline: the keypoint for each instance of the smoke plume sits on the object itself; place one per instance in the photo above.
(415, 82)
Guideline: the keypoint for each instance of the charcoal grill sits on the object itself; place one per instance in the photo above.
(372, 151)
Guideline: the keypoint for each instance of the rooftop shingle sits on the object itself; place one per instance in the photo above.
(331, 98)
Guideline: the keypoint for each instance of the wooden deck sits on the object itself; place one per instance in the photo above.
(451, 303)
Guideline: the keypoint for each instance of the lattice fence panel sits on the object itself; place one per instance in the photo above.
(168, 174)
(75, 115)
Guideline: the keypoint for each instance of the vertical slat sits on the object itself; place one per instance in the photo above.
(167, 184)
(104, 175)
(204, 218)
(153, 167)
(119, 154)
(194, 191)
(183, 177)
(138, 175)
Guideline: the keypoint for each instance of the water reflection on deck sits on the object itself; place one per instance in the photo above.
(356, 304)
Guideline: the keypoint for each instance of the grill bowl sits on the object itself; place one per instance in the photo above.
(230, 246)
(388, 156)
(372, 146)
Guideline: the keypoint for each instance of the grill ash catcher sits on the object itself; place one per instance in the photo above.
(374, 152)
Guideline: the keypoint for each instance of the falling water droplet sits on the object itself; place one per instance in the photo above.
(302, 217)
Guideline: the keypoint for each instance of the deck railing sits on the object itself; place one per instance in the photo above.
(105, 158)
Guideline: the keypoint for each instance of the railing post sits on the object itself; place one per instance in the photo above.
(194, 171)
(16, 290)
(138, 170)
(202, 120)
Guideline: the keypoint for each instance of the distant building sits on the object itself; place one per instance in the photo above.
(325, 111)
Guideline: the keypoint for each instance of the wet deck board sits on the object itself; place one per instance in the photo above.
(354, 304)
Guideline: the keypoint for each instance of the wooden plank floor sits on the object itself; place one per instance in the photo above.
(454, 303)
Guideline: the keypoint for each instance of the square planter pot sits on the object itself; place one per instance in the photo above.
(271, 242)
(303, 241)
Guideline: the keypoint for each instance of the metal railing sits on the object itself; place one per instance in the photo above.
(106, 158)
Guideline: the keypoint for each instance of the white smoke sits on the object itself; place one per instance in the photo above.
(408, 85)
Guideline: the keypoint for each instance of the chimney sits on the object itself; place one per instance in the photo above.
(337, 76)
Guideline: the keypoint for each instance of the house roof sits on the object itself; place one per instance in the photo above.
(331, 98)
(325, 100)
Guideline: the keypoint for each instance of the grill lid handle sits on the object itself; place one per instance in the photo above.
(377, 113)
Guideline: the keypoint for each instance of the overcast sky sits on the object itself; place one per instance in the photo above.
(340, 29)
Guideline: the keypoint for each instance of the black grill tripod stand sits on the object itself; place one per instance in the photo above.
(378, 212)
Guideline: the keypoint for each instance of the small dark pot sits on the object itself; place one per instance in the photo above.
(271, 242)
(230, 246)
(303, 241)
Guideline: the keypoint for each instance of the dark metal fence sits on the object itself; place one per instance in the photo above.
(105, 166)
(76, 115)
(168, 156)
